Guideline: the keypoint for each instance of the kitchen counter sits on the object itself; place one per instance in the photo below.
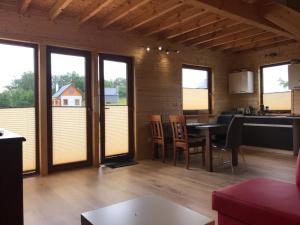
(280, 131)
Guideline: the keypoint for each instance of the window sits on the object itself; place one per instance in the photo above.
(18, 97)
(275, 92)
(76, 101)
(65, 101)
(196, 88)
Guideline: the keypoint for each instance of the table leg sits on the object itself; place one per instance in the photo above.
(208, 152)
(235, 156)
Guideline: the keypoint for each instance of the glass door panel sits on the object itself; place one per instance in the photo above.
(116, 109)
(18, 97)
(69, 107)
(117, 103)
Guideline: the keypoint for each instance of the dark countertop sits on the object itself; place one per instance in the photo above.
(270, 117)
(10, 136)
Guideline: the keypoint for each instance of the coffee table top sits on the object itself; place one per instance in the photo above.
(148, 210)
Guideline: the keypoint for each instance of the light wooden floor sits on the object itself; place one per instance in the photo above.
(60, 198)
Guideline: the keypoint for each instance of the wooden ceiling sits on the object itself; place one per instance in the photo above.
(225, 25)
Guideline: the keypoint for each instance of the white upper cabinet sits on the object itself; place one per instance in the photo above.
(294, 76)
(241, 82)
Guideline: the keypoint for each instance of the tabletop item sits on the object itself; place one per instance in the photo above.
(148, 210)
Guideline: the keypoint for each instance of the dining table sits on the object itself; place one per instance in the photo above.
(209, 130)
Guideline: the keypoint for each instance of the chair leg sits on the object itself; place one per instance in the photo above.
(187, 159)
(153, 150)
(174, 154)
(163, 152)
(203, 154)
(231, 163)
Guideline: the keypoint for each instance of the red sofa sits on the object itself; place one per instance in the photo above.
(259, 202)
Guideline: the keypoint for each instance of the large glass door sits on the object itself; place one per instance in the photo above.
(19, 97)
(69, 104)
(116, 107)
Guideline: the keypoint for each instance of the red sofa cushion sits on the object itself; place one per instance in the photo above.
(298, 171)
(260, 202)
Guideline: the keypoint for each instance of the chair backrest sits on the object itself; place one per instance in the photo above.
(298, 171)
(234, 133)
(179, 129)
(156, 127)
(224, 119)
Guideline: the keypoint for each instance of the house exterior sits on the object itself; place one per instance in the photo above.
(67, 95)
(111, 95)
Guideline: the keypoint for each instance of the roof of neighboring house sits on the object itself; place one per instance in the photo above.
(61, 90)
(111, 91)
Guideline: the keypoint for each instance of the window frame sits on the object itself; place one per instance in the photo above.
(262, 85)
(36, 99)
(209, 87)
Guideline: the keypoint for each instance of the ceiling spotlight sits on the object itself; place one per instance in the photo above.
(148, 49)
(167, 52)
(159, 48)
(177, 51)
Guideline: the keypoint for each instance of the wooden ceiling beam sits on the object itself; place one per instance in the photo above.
(204, 20)
(156, 12)
(243, 42)
(23, 5)
(276, 41)
(211, 28)
(177, 20)
(95, 8)
(122, 11)
(58, 7)
(231, 32)
(284, 17)
(242, 12)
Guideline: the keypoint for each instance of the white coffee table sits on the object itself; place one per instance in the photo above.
(148, 210)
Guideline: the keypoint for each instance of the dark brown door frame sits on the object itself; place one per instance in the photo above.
(261, 78)
(36, 100)
(88, 66)
(130, 102)
(209, 86)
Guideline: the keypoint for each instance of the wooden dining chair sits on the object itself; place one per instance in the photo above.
(158, 138)
(181, 140)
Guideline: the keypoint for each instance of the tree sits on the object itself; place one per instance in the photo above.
(283, 83)
(20, 93)
(62, 80)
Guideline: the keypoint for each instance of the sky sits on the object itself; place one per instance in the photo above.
(15, 60)
(271, 77)
(194, 78)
